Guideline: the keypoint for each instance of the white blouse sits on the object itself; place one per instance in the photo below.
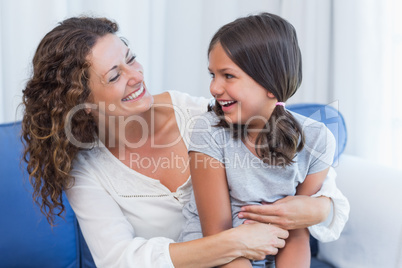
(129, 219)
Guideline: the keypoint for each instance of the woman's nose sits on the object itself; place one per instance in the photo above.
(135, 75)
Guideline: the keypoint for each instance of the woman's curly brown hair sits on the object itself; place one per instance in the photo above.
(58, 84)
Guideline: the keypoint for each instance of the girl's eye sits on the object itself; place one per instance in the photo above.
(228, 76)
(131, 60)
(212, 75)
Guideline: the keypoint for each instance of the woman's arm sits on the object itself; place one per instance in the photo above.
(291, 212)
(297, 251)
(295, 212)
(328, 204)
(111, 239)
(113, 242)
(251, 241)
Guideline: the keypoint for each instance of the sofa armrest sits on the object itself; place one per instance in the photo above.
(373, 235)
(26, 238)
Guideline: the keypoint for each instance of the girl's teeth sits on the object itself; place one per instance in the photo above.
(223, 103)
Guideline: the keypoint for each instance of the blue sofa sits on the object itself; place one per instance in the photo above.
(27, 240)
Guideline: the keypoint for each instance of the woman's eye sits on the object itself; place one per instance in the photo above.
(114, 78)
(212, 75)
(131, 60)
(229, 76)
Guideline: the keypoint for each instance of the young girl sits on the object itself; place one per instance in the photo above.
(249, 149)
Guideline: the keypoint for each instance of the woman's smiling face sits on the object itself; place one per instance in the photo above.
(116, 79)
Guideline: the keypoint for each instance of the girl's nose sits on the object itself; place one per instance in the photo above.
(215, 88)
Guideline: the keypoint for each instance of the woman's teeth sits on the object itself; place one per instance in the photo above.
(226, 103)
(134, 95)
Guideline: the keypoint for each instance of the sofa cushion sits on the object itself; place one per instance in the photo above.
(328, 115)
(27, 239)
(372, 237)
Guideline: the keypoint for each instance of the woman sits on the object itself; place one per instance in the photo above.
(91, 128)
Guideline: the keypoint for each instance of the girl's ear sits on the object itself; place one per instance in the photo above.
(270, 95)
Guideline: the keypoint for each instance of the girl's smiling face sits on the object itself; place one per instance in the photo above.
(116, 79)
(243, 100)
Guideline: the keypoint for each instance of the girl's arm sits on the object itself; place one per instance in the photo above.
(212, 197)
(211, 193)
(297, 251)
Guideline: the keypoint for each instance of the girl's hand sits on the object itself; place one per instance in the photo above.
(259, 239)
(289, 213)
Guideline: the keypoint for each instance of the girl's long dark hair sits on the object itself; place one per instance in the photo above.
(58, 84)
(265, 47)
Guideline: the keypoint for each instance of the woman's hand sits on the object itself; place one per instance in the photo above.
(291, 212)
(259, 239)
(252, 241)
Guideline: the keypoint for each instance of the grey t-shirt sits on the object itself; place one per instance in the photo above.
(250, 180)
